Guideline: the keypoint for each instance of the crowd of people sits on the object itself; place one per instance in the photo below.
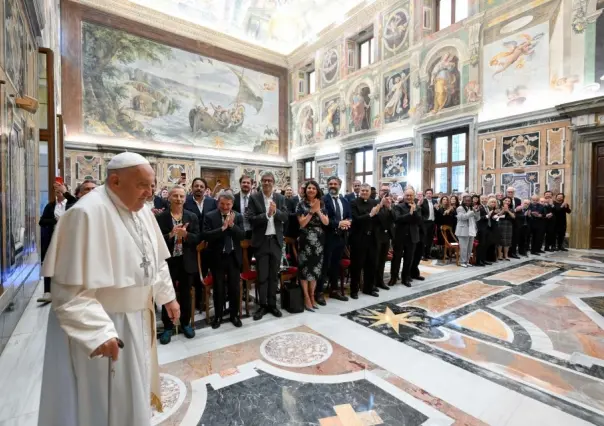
(361, 231)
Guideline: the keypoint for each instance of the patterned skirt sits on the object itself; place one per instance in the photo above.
(506, 230)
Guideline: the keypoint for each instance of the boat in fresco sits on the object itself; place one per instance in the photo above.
(217, 118)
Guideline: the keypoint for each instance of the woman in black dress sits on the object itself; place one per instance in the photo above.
(312, 218)
(506, 227)
(445, 215)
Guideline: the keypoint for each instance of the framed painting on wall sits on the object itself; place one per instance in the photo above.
(394, 170)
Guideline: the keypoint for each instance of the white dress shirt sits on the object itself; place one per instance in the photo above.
(270, 226)
(200, 205)
(60, 208)
(431, 209)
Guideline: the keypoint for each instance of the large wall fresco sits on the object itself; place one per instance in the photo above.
(135, 88)
(505, 59)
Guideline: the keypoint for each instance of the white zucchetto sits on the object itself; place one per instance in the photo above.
(125, 160)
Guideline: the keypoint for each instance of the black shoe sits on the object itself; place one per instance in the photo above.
(308, 309)
(262, 311)
(275, 311)
(563, 249)
(541, 252)
(354, 295)
(188, 331)
(375, 289)
(320, 299)
(419, 278)
(407, 283)
(515, 256)
(338, 296)
(384, 287)
(487, 263)
(479, 264)
(373, 293)
(216, 322)
(236, 322)
(391, 283)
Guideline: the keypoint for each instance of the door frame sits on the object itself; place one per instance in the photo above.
(594, 178)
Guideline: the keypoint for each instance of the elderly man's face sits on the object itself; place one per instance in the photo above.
(510, 193)
(267, 184)
(409, 196)
(133, 186)
(177, 196)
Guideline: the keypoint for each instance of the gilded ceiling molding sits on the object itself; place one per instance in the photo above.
(184, 28)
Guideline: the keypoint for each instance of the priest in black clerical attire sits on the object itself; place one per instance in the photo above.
(383, 229)
(363, 244)
(408, 222)
(224, 231)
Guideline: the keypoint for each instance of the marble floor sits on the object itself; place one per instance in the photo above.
(516, 343)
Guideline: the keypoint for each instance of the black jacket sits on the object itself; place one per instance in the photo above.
(407, 225)
(47, 222)
(259, 220)
(189, 245)
(215, 236)
(209, 204)
(362, 228)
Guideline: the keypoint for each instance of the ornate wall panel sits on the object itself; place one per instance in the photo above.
(393, 168)
(326, 170)
(282, 175)
(532, 158)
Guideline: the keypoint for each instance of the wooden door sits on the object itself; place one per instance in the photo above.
(214, 176)
(597, 200)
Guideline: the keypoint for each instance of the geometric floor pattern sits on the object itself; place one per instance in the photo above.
(516, 343)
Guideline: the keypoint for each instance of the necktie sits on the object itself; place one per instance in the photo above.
(228, 242)
(244, 203)
(338, 211)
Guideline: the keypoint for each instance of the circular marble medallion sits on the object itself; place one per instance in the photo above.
(296, 349)
(173, 393)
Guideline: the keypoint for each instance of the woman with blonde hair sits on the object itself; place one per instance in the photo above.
(467, 216)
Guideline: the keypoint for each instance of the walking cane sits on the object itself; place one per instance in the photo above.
(120, 345)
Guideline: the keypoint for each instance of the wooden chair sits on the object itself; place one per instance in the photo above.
(451, 244)
(291, 273)
(248, 277)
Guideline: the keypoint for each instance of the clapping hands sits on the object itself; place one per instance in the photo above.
(272, 208)
(229, 222)
(180, 230)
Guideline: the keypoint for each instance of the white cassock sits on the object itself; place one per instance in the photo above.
(100, 291)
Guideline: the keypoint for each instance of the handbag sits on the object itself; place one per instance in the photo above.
(292, 298)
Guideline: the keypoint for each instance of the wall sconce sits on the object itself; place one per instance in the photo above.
(27, 103)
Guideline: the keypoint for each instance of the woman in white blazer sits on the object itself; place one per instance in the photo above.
(467, 216)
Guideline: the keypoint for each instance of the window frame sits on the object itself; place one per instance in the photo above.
(449, 164)
(361, 176)
(313, 166)
(311, 76)
(453, 17)
(370, 40)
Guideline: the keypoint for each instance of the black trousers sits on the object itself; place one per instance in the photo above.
(483, 244)
(182, 282)
(550, 232)
(226, 281)
(362, 259)
(382, 255)
(560, 234)
(332, 256)
(417, 257)
(537, 233)
(402, 250)
(268, 262)
(514, 247)
(428, 237)
(523, 238)
(46, 284)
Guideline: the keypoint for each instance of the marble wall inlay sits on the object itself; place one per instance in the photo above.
(296, 349)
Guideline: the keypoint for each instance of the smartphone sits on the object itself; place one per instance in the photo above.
(59, 180)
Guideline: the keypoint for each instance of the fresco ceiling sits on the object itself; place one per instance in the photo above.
(278, 25)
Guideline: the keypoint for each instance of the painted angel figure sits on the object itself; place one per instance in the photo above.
(517, 53)
(395, 30)
(397, 98)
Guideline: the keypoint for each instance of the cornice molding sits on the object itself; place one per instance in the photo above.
(184, 28)
(584, 106)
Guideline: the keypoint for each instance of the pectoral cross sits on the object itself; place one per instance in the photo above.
(145, 265)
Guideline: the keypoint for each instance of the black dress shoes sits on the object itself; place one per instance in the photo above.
(275, 311)
(563, 249)
(373, 293)
(354, 295)
(262, 311)
(338, 296)
(391, 283)
(407, 283)
(320, 299)
(419, 278)
(479, 264)
(236, 322)
(515, 256)
(384, 287)
(216, 322)
(487, 263)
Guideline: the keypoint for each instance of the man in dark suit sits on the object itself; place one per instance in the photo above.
(516, 207)
(241, 203)
(429, 215)
(197, 202)
(356, 188)
(536, 212)
(408, 220)
(338, 211)
(483, 226)
(268, 215)
(363, 244)
(291, 202)
(383, 235)
(223, 229)
(156, 203)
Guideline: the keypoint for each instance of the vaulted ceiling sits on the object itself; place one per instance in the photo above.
(281, 26)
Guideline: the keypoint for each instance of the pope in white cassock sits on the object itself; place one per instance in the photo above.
(107, 260)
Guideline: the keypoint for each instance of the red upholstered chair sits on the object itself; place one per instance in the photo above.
(344, 269)
(248, 277)
(291, 273)
(473, 257)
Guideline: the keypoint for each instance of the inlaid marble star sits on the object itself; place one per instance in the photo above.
(395, 321)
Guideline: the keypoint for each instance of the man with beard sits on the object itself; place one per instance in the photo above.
(242, 199)
(408, 220)
(338, 211)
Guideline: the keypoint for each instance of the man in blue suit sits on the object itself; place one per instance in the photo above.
(356, 188)
(338, 211)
